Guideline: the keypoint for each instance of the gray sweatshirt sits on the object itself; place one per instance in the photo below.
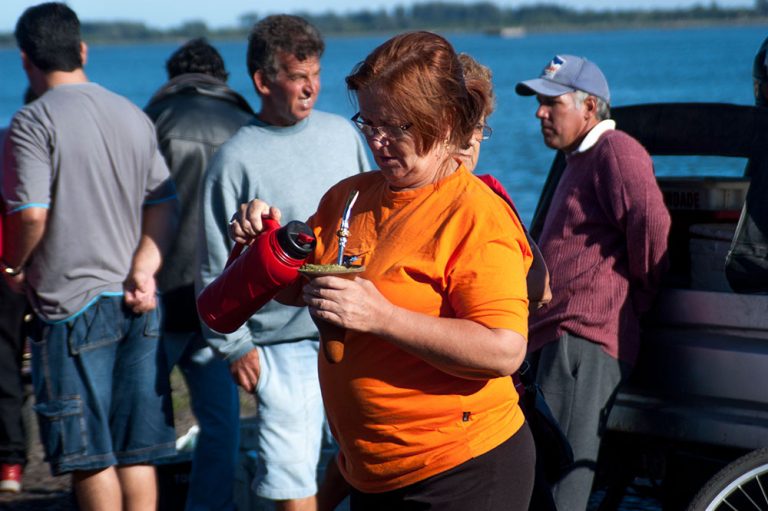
(288, 167)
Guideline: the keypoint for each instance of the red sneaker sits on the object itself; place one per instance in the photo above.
(10, 478)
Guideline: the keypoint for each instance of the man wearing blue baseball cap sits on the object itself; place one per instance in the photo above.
(604, 239)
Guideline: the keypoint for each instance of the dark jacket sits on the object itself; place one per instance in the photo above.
(194, 114)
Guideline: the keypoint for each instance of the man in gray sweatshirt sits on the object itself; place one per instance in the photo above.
(290, 155)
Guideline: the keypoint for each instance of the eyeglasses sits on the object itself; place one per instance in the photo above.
(389, 132)
(485, 130)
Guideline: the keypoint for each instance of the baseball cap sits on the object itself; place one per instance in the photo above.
(567, 73)
(760, 66)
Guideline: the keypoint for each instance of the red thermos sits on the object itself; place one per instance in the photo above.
(253, 278)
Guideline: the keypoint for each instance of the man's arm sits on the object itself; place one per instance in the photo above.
(22, 232)
(157, 226)
(648, 227)
(218, 201)
(639, 207)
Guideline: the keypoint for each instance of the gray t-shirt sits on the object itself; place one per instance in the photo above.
(90, 157)
(288, 167)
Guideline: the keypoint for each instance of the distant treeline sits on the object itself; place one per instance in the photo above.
(449, 16)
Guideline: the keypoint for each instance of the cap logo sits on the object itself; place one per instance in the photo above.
(553, 67)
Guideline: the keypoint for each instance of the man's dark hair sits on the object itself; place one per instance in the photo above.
(281, 33)
(197, 56)
(49, 35)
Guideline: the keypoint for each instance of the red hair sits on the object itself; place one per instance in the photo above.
(418, 75)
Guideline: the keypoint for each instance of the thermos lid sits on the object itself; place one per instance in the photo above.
(296, 239)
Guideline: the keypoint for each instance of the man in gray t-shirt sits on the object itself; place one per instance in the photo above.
(77, 175)
(89, 208)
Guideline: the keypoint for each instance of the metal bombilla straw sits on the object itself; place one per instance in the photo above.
(343, 232)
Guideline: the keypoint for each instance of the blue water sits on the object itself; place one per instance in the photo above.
(695, 64)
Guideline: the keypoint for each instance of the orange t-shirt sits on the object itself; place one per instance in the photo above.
(450, 249)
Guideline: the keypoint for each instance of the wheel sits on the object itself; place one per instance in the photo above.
(740, 485)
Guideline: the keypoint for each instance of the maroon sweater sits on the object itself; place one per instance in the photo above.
(605, 242)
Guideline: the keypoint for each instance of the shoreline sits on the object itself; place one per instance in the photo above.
(228, 35)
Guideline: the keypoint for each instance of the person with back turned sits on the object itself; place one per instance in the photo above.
(605, 242)
(13, 443)
(194, 113)
(90, 206)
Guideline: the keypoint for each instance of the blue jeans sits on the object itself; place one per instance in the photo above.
(101, 388)
(216, 406)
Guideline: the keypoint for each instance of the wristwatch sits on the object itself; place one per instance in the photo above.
(10, 270)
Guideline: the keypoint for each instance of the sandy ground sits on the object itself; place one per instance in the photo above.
(43, 492)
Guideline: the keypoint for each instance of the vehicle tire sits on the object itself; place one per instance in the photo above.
(740, 485)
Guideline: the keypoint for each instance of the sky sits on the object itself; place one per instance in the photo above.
(224, 13)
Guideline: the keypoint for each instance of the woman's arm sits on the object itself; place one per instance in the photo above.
(442, 342)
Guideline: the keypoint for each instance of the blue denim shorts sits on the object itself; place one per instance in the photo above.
(290, 421)
(101, 388)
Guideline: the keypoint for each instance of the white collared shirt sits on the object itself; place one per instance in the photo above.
(594, 135)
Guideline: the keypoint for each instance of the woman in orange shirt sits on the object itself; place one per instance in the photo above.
(421, 405)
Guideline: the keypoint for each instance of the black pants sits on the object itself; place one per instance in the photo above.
(12, 438)
(499, 480)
